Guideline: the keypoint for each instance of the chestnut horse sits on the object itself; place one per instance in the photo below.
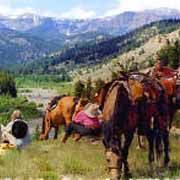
(60, 112)
(125, 105)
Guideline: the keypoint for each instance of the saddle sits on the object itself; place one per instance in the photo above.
(142, 85)
(53, 103)
(169, 85)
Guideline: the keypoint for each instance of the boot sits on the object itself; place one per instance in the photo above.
(77, 136)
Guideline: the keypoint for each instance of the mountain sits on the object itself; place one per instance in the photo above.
(115, 25)
(98, 52)
(30, 37)
(16, 47)
(21, 23)
(42, 40)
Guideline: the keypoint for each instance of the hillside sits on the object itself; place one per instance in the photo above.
(17, 47)
(140, 58)
(96, 52)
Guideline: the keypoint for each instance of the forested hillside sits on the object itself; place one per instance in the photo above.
(96, 52)
(18, 47)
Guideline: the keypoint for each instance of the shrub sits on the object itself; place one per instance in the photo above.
(7, 84)
(79, 88)
(9, 104)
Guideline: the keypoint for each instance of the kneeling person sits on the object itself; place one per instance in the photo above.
(86, 122)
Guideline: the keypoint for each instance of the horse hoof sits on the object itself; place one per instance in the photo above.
(115, 174)
(166, 164)
(42, 137)
(127, 175)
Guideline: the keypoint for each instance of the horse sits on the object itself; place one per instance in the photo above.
(122, 113)
(60, 111)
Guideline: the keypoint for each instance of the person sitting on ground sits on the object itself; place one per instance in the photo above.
(86, 122)
(16, 132)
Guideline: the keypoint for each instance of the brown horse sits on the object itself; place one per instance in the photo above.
(126, 103)
(60, 112)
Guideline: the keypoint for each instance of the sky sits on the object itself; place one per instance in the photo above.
(81, 9)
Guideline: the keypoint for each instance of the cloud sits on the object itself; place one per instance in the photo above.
(6, 8)
(78, 13)
(140, 5)
(75, 13)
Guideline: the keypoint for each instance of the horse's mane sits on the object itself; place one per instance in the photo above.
(115, 83)
(52, 104)
(106, 86)
(119, 80)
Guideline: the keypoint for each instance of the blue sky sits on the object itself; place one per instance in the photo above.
(81, 9)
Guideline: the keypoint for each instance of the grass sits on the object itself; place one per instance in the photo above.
(176, 120)
(47, 82)
(52, 160)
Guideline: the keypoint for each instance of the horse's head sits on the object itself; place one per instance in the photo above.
(45, 122)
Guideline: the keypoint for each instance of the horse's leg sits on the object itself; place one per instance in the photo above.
(165, 136)
(113, 151)
(56, 132)
(158, 144)
(47, 129)
(125, 150)
(150, 138)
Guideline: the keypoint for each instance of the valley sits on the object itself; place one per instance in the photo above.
(42, 57)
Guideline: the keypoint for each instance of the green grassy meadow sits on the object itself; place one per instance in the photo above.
(45, 82)
(52, 160)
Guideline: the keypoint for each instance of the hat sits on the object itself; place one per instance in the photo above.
(92, 110)
(19, 129)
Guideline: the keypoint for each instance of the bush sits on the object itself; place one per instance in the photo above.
(170, 54)
(7, 84)
(9, 104)
(79, 88)
(99, 84)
